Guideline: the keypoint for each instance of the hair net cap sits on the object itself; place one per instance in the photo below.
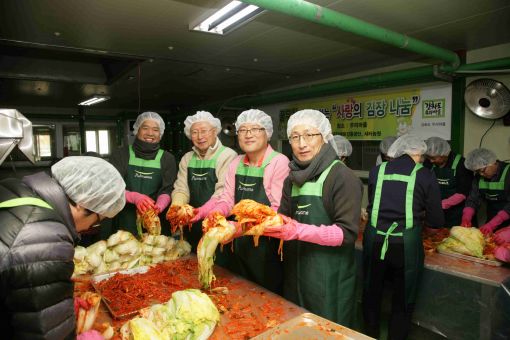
(437, 146)
(385, 144)
(92, 183)
(343, 146)
(255, 116)
(142, 117)
(201, 116)
(312, 118)
(479, 158)
(407, 144)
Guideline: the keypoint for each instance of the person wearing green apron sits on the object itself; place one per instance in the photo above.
(256, 175)
(343, 147)
(492, 185)
(453, 178)
(321, 205)
(202, 170)
(42, 216)
(400, 193)
(149, 173)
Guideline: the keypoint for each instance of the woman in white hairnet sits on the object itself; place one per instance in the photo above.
(384, 146)
(322, 199)
(400, 192)
(492, 185)
(343, 147)
(42, 217)
(453, 178)
(258, 175)
(149, 172)
(202, 170)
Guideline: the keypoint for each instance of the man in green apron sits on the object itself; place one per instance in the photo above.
(149, 173)
(322, 197)
(400, 193)
(453, 178)
(202, 170)
(42, 217)
(492, 185)
(256, 175)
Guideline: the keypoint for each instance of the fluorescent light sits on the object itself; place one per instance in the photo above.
(227, 18)
(94, 100)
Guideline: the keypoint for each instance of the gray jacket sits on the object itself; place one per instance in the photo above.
(36, 262)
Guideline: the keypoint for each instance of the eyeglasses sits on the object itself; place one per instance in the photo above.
(307, 137)
(196, 133)
(481, 171)
(253, 131)
(98, 221)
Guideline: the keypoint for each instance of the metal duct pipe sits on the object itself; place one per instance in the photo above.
(388, 79)
(325, 16)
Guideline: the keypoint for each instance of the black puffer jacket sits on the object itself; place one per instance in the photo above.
(36, 262)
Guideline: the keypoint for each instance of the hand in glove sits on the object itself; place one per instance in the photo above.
(238, 233)
(161, 203)
(198, 215)
(142, 202)
(489, 227)
(502, 253)
(90, 335)
(467, 216)
(286, 232)
(502, 236)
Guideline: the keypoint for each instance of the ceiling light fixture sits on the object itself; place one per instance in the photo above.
(94, 100)
(228, 18)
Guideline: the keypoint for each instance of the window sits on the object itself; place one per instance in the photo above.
(98, 141)
(364, 154)
(44, 139)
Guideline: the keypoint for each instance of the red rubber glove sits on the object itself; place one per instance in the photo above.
(198, 215)
(90, 335)
(502, 235)
(467, 216)
(80, 303)
(502, 253)
(489, 227)
(142, 202)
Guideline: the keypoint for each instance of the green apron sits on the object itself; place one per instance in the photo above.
(144, 177)
(201, 183)
(319, 278)
(448, 187)
(413, 245)
(494, 193)
(260, 264)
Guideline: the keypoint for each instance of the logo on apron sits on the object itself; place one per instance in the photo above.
(146, 175)
(246, 186)
(442, 181)
(199, 177)
(491, 197)
(303, 212)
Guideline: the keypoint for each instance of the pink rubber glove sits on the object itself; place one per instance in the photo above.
(467, 216)
(502, 235)
(452, 201)
(162, 202)
(142, 202)
(489, 227)
(293, 230)
(90, 335)
(502, 253)
(199, 215)
(210, 206)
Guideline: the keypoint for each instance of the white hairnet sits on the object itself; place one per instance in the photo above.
(437, 146)
(92, 183)
(343, 146)
(407, 144)
(255, 116)
(149, 115)
(479, 158)
(201, 116)
(385, 144)
(312, 118)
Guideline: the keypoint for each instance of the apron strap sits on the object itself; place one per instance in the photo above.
(387, 234)
(149, 163)
(499, 185)
(22, 201)
(454, 164)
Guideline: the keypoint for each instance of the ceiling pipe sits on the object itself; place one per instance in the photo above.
(382, 80)
(325, 16)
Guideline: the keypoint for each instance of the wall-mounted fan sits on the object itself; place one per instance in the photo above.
(228, 128)
(487, 98)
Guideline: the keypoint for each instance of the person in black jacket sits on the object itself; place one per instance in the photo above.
(42, 217)
(401, 193)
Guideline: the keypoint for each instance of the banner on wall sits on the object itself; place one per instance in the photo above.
(424, 111)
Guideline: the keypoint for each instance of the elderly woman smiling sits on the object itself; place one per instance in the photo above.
(322, 198)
